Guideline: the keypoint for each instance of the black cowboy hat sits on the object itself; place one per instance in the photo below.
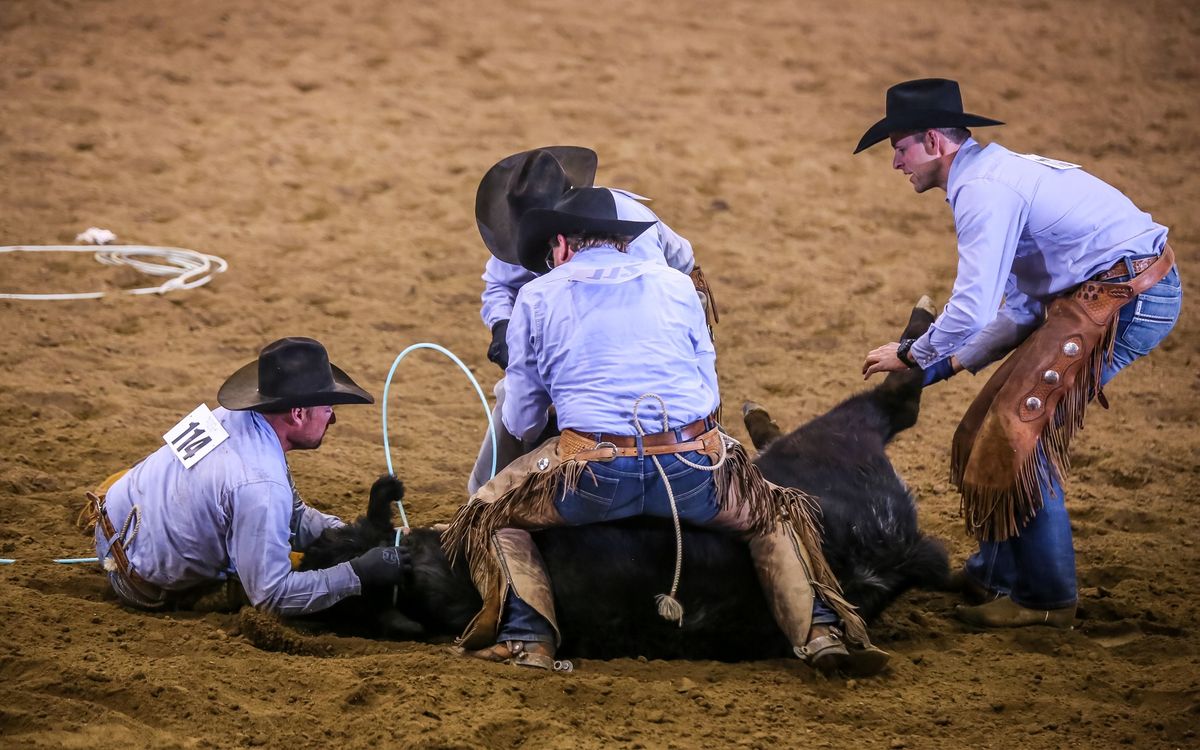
(922, 104)
(291, 372)
(588, 210)
(530, 179)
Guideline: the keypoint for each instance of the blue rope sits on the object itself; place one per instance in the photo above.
(387, 449)
(60, 560)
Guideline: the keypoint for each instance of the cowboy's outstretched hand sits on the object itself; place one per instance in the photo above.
(883, 359)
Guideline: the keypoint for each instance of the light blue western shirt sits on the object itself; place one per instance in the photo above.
(599, 331)
(1027, 232)
(234, 512)
(659, 243)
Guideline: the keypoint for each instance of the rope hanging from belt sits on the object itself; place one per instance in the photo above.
(669, 606)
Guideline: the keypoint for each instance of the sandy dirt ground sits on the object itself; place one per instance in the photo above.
(330, 151)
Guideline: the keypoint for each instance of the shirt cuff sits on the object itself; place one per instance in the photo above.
(922, 352)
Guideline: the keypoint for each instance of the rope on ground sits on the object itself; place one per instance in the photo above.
(187, 269)
(59, 560)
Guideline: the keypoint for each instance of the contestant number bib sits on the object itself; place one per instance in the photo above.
(1047, 161)
(195, 436)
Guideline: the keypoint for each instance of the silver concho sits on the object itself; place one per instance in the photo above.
(543, 464)
(1050, 377)
(1033, 403)
(1071, 349)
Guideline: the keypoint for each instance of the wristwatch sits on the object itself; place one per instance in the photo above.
(902, 352)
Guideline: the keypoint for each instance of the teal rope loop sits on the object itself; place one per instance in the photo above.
(387, 449)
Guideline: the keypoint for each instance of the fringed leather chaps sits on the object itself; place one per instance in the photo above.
(789, 562)
(782, 525)
(1034, 404)
(490, 532)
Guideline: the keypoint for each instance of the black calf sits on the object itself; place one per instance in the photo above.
(870, 520)
(605, 576)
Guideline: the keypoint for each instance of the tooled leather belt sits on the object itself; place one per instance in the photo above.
(700, 435)
(1120, 268)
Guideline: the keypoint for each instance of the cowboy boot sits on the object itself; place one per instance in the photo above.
(515, 567)
(1003, 612)
(782, 567)
(536, 654)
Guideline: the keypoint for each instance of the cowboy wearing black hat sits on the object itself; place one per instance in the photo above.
(513, 186)
(216, 505)
(622, 347)
(1064, 271)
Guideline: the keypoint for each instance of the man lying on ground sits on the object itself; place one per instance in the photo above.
(214, 510)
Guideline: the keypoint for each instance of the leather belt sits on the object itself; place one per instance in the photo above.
(576, 446)
(688, 432)
(1120, 268)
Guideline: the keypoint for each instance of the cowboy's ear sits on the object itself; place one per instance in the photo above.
(295, 414)
(931, 141)
(562, 252)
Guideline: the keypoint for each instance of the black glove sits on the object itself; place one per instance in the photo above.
(498, 349)
(383, 566)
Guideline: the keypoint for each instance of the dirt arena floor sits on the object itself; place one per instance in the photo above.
(331, 151)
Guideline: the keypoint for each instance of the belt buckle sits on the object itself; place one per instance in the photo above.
(608, 445)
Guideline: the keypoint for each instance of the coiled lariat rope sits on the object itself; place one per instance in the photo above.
(669, 606)
(188, 269)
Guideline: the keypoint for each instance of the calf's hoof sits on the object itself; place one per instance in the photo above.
(1003, 612)
(522, 654)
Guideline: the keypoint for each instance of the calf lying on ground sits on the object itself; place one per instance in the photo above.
(871, 542)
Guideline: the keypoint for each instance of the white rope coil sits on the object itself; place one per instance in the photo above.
(187, 269)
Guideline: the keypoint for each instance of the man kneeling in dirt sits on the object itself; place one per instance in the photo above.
(601, 335)
(216, 505)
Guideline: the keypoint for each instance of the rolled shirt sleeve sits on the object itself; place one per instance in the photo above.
(259, 548)
(989, 217)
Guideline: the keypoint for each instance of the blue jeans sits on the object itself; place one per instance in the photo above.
(622, 488)
(1037, 568)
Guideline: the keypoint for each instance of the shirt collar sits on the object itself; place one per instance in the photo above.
(967, 153)
(261, 424)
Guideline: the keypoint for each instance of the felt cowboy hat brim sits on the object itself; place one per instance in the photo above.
(531, 179)
(290, 373)
(919, 105)
(907, 121)
(581, 211)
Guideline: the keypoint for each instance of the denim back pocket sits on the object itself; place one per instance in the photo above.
(591, 501)
(1153, 314)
